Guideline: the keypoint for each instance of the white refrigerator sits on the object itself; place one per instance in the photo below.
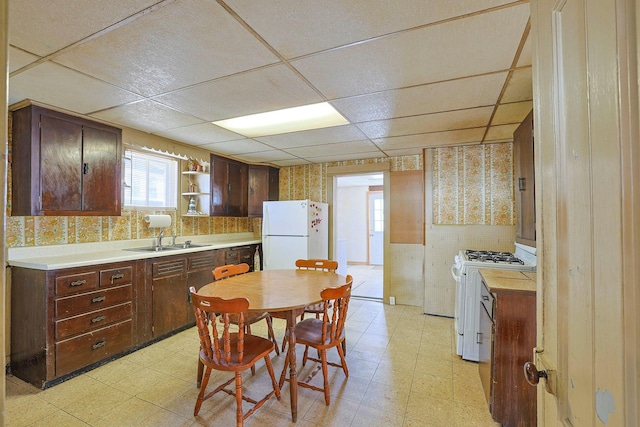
(294, 229)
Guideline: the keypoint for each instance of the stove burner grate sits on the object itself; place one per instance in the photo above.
(493, 256)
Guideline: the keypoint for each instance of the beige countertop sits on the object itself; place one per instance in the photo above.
(84, 254)
(501, 280)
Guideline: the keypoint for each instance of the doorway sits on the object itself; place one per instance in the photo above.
(359, 217)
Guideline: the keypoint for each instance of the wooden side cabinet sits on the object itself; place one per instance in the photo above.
(264, 185)
(524, 182)
(507, 338)
(64, 165)
(65, 320)
(229, 187)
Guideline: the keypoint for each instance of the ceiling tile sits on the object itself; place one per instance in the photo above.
(436, 139)
(265, 156)
(292, 162)
(343, 157)
(519, 87)
(266, 89)
(242, 146)
(449, 120)
(526, 55)
(451, 50)
(181, 44)
(314, 137)
(501, 133)
(67, 89)
(404, 152)
(44, 27)
(511, 113)
(432, 98)
(333, 149)
(313, 26)
(200, 134)
(146, 115)
(19, 58)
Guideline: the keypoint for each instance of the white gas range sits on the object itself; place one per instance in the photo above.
(465, 271)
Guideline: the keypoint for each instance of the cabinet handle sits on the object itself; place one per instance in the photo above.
(99, 299)
(85, 168)
(478, 337)
(485, 297)
(99, 344)
(229, 188)
(116, 277)
(78, 283)
(521, 184)
(98, 319)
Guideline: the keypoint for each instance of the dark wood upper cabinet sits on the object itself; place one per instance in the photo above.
(524, 182)
(263, 186)
(229, 187)
(64, 165)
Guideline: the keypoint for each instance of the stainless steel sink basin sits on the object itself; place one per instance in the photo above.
(152, 249)
(188, 245)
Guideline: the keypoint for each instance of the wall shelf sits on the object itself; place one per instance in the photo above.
(195, 184)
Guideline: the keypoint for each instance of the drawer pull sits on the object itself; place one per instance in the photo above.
(78, 283)
(98, 319)
(99, 299)
(99, 344)
(116, 277)
(485, 297)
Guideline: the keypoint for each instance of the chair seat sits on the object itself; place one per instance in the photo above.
(255, 348)
(309, 332)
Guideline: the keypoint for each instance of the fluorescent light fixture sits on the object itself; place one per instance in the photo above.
(306, 117)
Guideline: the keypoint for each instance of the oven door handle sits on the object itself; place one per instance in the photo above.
(454, 268)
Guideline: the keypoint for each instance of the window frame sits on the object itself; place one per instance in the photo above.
(171, 195)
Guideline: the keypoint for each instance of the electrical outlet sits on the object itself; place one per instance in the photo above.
(392, 300)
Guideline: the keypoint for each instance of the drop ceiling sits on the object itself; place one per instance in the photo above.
(406, 74)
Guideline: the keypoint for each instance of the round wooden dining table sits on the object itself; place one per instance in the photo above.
(286, 292)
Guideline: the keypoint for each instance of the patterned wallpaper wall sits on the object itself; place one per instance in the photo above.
(310, 181)
(473, 185)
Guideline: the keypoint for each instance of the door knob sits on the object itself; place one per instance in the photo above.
(532, 374)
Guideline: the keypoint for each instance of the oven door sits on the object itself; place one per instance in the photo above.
(456, 273)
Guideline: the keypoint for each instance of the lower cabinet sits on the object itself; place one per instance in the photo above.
(65, 320)
(507, 338)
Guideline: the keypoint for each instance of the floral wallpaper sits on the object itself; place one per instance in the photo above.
(310, 181)
(473, 185)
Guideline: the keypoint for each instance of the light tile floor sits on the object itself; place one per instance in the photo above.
(367, 280)
(403, 371)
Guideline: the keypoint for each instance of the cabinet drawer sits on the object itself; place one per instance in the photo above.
(487, 300)
(92, 347)
(75, 283)
(92, 301)
(95, 319)
(169, 268)
(200, 261)
(116, 276)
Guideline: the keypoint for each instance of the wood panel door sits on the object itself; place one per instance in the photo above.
(587, 161)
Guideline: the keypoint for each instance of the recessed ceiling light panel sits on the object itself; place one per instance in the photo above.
(306, 117)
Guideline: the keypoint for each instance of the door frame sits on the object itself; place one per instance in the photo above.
(332, 175)
(370, 196)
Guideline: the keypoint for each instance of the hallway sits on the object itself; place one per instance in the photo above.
(367, 281)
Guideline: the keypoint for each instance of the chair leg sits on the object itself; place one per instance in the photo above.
(200, 371)
(272, 336)
(344, 346)
(306, 355)
(342, 361)
(283, 375)
(325, 375)
(276, 388)
(239, 417)
(203, 387)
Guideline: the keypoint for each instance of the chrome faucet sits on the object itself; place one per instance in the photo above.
(160, 236)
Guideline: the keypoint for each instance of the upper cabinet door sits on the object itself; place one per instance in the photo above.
(229, 187)
(64, 165)
(524, 182)
(263, 186)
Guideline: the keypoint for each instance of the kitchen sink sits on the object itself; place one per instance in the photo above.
(186, 245)
(154, 249)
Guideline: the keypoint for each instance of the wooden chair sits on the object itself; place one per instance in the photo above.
(230, 270)
(227, 351)
(323, 334)
(316, 309)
